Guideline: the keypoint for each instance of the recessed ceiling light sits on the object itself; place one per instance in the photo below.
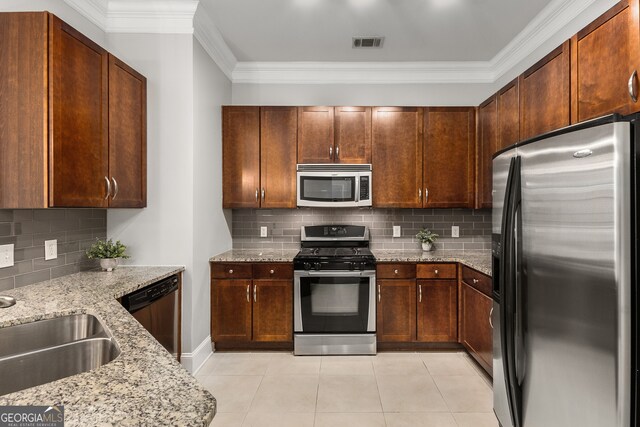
(367, 42)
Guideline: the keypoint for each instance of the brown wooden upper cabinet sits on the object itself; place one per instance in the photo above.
(508, 115)
(545, 94)
(605, 58)
(487, 143)
(315, 135)
(259, 157)
(396, 158)
(334, 134)
(64, 142)
(449, 157)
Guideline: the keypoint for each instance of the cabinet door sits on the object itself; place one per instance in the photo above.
(487, 145)
(240, 157)
(23, 109)
(78, 119)
(475, 329)
(353, 134)
(396, 315)
(278, 127)
(231, 310)
(272, 310)
(605, 54)
(397, 157)
(315, 135)
(127, 135)
(545, 94)
(508, 115)
(449, 157)
(437, 311)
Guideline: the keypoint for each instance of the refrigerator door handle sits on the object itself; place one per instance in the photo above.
(520, 293)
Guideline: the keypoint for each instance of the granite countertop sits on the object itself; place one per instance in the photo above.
(143, 386)
(477, 259)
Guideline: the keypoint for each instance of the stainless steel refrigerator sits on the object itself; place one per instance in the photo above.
(564, 278)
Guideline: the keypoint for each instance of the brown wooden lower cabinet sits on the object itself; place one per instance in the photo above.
(251, 305)
(437, 311)
(396, 320)
(476, 333)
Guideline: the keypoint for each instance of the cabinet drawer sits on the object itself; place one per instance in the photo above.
(477, 280)
(437, 271)
(396, 271)
(272, 271)
(231, 270)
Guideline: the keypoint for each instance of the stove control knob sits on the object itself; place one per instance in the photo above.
(317, 266)
(307, 266)
(353, 265)
(362, 265)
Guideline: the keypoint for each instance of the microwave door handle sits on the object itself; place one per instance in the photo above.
(356, 197)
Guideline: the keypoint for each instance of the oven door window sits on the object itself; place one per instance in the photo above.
(327, 188)
(334, 304)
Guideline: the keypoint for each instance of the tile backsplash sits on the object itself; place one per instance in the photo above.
(284, 226)
(74, 229)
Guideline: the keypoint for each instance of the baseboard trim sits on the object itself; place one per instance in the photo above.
(194, 361)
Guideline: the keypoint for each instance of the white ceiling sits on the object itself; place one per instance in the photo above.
(414, 30)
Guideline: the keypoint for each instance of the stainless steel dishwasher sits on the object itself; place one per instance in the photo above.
(157, 308)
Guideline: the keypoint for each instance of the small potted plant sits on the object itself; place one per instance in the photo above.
(427, 238)
(108, 253)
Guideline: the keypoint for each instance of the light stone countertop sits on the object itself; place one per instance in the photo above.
(476, 259)
(143, 386)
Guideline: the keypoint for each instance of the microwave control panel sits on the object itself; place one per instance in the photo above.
(364, 188)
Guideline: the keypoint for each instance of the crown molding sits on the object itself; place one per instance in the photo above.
(206, 32)
(139, 16)
(361, 72)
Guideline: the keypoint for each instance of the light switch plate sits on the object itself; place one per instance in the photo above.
(6, 256)
(397, 231)
(455, 231)
(263, 231)
(50, 249)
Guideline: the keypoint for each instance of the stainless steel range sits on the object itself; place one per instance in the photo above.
(334, 291)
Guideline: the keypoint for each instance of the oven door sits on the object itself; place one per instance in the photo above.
(335, 189)
(334, 302)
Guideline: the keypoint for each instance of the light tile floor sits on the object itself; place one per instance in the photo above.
(434, 389)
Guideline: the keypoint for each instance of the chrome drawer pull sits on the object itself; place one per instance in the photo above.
(230, 271)
(475, 281)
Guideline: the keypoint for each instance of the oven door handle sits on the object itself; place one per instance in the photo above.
(335, 273)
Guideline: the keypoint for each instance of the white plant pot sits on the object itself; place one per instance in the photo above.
(109, 264)
(427, 247)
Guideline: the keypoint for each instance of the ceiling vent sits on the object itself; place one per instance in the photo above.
(367, 42)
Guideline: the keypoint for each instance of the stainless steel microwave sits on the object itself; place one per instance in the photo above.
(334, 185)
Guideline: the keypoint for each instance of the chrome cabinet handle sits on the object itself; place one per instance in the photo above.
(337, 152)
(436, 271)
(490, 316)
(115, 188)
(271, 271)
(263, 194)
(426, 195)
(330, 152)
(257, 195)
(378, 293)
(632, 87)
(395, 271)
(475, 281)
(108, 188)
(230, 271)
(420, 193)
(248, 293)
(420, 293)
(255, 293)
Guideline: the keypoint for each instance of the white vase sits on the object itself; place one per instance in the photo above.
(426, 246)
(109, 264)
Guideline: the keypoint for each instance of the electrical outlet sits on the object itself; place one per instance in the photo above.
(6, 256)
(50, 249)
(263, 231)
(455, 231)
(397, 231)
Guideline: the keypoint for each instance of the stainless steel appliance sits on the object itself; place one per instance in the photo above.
(565, 265)
(157, 308)
(334, 292)
(334, 185)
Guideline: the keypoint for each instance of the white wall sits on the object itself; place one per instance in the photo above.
(212, 225)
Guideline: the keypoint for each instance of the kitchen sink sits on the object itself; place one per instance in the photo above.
(40, 352)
